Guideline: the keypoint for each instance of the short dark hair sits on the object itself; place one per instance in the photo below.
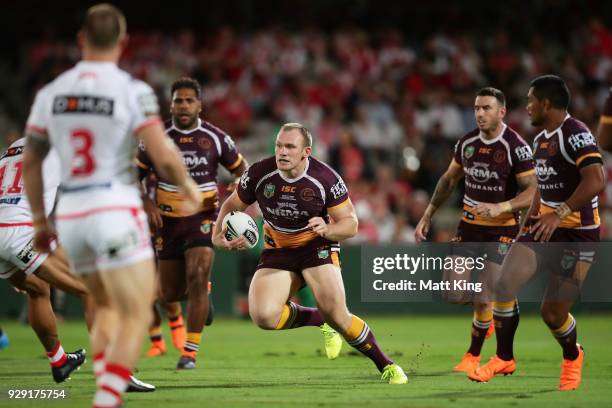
(494, 92)
(553, 88)
(186, 83)
(104, 26)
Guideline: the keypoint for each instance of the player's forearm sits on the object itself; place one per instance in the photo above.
(604, 134)
(522, 200)
(533, 208)
(34, 187)
(342, 229)
(233, 203)
(587, 189)
(443, 190)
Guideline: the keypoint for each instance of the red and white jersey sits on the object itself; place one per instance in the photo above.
(14, 206)
(90, 114)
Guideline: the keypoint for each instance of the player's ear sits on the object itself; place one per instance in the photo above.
(81, 39)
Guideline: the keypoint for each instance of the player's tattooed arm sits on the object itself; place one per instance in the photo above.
(444, 188)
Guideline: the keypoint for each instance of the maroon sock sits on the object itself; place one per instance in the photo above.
(299, 316)
(365, 343)
(479, 332)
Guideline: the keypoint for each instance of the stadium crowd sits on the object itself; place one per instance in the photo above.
(384, 109)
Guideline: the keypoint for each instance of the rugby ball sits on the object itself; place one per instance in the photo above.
(237, 224)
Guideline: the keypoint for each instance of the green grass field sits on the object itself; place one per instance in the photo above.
(242, 366)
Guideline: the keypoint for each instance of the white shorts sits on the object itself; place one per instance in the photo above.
(17, 252)
(111, 232)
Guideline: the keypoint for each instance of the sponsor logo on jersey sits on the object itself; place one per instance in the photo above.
(323, 254)
(10, 200)
(93, 105)
(469, 152)
(229, 142)
(523, 153)
(543, 170)
(13, 151)
(192, 160)
(269, 190)
(288, 189)
(244, 180)
(287, 210)
(339, 189)
(307, 194)
(581, 140)
(485, 150)
(481, 173)
(186, 139)
(27, 253)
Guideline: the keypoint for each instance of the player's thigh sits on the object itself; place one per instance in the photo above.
(488, 277)
(198, 265)
(519, 266)
(271, 288)
(131, 288)
(55, 270)
(327, 287)
(172, 278)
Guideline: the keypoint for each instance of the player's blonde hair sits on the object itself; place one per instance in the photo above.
(306, 135)
(104, 26)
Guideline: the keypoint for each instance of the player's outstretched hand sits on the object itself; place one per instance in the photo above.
(43, 237)
(319, 226)
(547, 224)
(422, 229)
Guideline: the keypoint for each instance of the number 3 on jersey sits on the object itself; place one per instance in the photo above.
(83, 163)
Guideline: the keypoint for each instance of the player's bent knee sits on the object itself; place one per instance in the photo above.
(553, 317)
(265, 317)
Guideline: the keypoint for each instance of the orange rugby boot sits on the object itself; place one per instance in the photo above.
(571, 372)
(495, 366)
(468, 363)
(158, 347)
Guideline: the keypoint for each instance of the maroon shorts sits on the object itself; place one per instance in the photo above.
(568, 254)
(314, 253)
(181, 233)
(479, 240)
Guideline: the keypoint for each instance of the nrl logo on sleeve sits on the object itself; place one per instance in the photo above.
(469, 152)
(269, 190)
(206, 226)
(94, 105)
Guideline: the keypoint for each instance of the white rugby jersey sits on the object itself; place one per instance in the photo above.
(14, 206)
(90, 114)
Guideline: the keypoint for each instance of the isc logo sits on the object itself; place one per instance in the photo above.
(186, 140)
(288, 189)
(484, 150)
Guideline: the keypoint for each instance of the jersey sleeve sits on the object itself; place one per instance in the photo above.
(142, 160)
(458, 153)
(246, 187)
(230, 158)
(522, 158)
(582, 147)
(144, 106)
(336, 192)
(40, 114)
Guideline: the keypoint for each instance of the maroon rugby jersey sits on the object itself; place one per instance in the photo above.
(288, 204)
(491, 168)
(559, 155)
(203, 149)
